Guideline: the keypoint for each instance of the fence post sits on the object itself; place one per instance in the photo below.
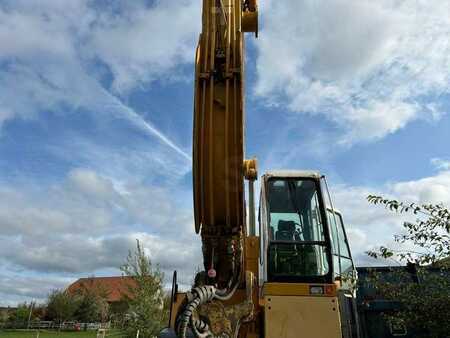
(101, 333)
(29, 316)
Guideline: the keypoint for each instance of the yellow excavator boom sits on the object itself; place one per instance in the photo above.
(218, 141)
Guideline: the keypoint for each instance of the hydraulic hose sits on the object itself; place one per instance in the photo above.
(200, 295)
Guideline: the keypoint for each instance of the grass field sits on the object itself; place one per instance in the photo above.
(56, 334)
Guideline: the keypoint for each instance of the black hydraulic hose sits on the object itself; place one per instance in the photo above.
(201, 295)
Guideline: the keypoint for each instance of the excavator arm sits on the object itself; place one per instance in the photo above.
(214, 307)
(218, 142)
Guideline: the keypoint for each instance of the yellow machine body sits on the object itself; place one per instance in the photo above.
(301, 316)
(291, 312)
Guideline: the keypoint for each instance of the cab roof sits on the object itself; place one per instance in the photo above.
(292, 173)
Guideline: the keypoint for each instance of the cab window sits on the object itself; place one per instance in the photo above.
(339, 245)
(295, 232)
(294, 211)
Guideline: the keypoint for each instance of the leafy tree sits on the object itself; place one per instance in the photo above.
(92, 305)
(62, 306)
(39, 312)
(430, 233)
(423, 288)
(147, 309)
(20, 315)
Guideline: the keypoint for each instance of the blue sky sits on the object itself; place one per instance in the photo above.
(96, 124)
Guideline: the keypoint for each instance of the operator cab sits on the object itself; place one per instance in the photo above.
(302, 241)
(306, 270)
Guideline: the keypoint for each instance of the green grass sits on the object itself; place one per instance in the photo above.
(56, 334)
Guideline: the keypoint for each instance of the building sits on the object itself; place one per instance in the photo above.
(115, 290)
(5, 312)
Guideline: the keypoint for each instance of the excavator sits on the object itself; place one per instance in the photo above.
(294, 277)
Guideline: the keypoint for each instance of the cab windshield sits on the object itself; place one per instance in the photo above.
(296, 237)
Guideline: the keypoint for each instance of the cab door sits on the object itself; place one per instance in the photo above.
(345, 273)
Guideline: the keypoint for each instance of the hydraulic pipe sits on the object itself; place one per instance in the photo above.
(251, 207)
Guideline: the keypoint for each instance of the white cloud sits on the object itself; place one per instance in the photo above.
(87, 208)
(86, 203)
(46, 63)
(87, 223)
(15, 288)
(128, 165)
(73, 257)
(146, 43)
(80, 255)
(87, 181)
(29, 30)
(440, 164)
(369, 67)
(434, 189)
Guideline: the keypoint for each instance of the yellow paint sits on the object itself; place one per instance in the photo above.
(296, 289)
(301, 317)
(252, 254)
(181, 296)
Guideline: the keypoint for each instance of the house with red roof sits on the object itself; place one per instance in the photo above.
(115, 290)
